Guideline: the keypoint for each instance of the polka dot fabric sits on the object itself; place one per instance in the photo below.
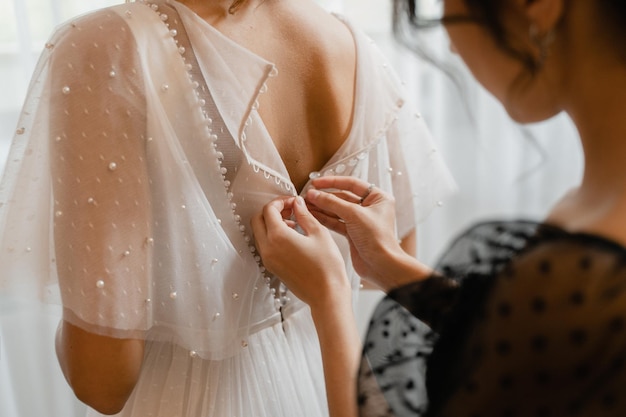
(525, 320)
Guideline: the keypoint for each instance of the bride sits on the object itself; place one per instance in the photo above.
(151, 134)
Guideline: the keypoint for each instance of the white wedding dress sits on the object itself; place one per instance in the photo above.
(134, 172)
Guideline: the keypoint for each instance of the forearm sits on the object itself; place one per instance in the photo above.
(340, 346)
(101, 370)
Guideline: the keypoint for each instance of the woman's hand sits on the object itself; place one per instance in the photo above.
(310, 264)
(366, 216)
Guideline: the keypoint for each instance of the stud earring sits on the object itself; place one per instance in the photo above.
(543, 43)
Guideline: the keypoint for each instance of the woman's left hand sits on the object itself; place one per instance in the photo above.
(310, 264)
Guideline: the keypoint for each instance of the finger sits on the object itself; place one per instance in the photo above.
(348, 196)
(270, 220)
(332, 204)
(259, 229)
(273, 212)
(331, 222)
(345, 183)
(303, 217)
(313, 208)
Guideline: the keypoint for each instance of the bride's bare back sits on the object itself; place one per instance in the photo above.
(308, 108)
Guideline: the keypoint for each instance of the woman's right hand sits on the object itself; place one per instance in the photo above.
(366, 216)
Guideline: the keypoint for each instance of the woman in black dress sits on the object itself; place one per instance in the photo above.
(519, 318)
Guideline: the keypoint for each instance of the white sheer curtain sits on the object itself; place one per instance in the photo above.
(503, 170)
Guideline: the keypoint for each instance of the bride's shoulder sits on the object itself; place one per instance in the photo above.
(99, 27)
(95, 37)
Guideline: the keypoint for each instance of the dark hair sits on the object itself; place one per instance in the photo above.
(407, 25)
(611, 13)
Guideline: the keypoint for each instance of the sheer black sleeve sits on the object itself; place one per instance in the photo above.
(536, 328)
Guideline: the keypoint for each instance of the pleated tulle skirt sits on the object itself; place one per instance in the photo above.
(278, 374)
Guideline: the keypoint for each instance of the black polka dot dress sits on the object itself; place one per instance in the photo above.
(522, 319)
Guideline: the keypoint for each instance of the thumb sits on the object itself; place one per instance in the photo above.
(304, 218)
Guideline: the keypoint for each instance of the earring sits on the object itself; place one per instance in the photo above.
(542, 42)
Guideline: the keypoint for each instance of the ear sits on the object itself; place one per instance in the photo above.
(544, 14)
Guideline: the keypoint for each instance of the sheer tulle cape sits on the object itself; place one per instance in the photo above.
(117, 203)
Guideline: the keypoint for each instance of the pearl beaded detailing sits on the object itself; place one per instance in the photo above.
(212, 137)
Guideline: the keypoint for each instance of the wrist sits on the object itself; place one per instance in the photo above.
(336, 299)
(395, 267)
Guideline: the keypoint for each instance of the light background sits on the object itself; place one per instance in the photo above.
(503, 170)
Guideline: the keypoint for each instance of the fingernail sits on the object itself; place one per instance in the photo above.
(300, 201)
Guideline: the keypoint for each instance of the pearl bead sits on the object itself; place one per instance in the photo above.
(235, 296)
(193, 353)
(244, 343)
(112, 74)
(314, 175)
(65, 90)
(173, 295)
(100, 284)
(112, 166)
(58, 213)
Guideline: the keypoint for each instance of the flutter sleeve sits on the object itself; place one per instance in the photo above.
(421, 180)
(75, 200)
(98, 167)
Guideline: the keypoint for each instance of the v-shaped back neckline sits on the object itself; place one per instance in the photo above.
(282, 168)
